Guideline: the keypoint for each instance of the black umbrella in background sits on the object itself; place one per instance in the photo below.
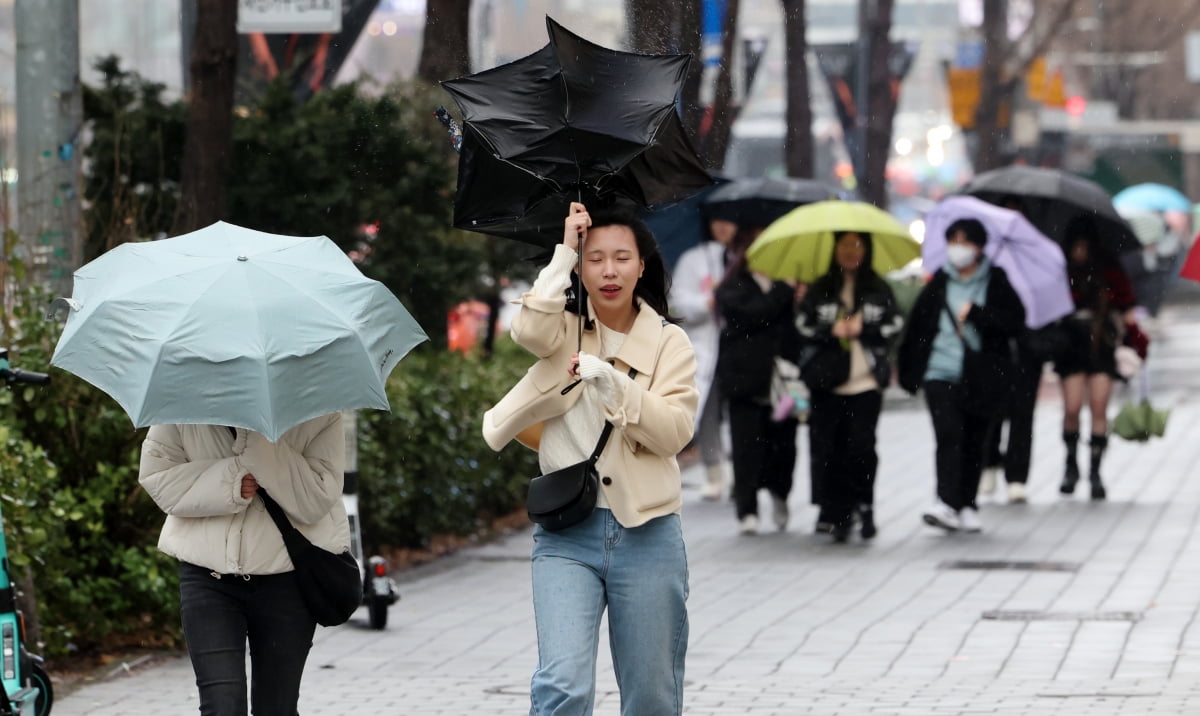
(573, 121)
(1052, 198)
(758, 202)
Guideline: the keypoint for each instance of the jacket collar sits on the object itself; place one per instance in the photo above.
(641, 344)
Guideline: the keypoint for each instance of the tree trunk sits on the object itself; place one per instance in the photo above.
(992, 91)
(881, 103)
(689, 42)
(798, 142)
(207, 148)
(445, 52)
(652, 27)
(720, 120)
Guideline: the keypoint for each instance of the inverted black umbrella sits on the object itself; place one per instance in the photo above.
(758, 202)
(1052, 198)
(573, 121)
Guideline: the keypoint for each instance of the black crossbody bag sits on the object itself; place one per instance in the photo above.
(330, 584)
(565, 497)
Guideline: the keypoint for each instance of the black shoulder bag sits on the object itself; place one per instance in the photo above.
(566, 497)
(330, 584)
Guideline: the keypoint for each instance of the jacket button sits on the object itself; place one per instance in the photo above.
(606, 480)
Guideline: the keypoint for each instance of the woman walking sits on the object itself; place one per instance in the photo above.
(958, 349)
(693, 297)
(1103, 315)
(759, 324)
(847, 321)
(236, 581)
(637, 372)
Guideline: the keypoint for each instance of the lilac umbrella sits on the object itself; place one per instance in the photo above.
(1035, 264)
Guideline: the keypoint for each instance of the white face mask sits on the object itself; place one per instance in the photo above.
(961, 256)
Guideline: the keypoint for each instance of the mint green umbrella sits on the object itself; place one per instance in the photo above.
(231, 326)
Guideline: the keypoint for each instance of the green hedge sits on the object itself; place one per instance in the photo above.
(424, 467)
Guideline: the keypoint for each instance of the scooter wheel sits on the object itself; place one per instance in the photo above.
(377, 612)
(45, 699)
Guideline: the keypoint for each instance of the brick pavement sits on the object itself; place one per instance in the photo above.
(790, 624)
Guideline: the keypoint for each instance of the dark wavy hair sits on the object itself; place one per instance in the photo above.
(655, 283)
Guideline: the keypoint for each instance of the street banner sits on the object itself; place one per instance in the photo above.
(839, 66)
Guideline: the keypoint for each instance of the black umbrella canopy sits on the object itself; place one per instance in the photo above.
(758, 202)
(573, 121)
(1051, 199)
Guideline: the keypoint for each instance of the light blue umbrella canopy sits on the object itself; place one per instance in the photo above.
(231, 326)
(1151, 197)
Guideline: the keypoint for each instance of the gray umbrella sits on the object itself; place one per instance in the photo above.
(1052, 198)
(758, 202)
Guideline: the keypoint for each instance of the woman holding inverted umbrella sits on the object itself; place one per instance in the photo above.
(578, 120)
(957, 349)
(639, 384)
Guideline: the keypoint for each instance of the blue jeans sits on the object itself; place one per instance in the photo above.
(220, 615)
(640, 574)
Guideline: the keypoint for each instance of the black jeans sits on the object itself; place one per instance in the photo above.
(960, 437)
(1019, 447)
(220, 615)
(764, 453)
(841, 432)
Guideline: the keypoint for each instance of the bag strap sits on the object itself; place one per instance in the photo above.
(958, 329)
(281, 521)
(608, 428)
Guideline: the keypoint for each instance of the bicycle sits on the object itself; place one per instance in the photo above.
(26, 687)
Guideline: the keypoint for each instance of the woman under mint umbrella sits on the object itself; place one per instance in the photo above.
(231, 326)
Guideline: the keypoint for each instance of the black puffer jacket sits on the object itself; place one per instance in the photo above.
(757, 327)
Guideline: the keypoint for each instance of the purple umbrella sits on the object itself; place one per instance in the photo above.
(1034, 263)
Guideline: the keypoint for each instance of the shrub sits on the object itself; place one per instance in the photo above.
(424, 467)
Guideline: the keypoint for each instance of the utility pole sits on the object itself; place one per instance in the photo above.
(49, 121)
(862, 98)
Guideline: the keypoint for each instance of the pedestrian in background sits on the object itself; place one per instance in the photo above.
(758, 317)
(693, 299)
(236, 581)
(1104, 303)
(847, 321)
(958, 340)
(628, 555)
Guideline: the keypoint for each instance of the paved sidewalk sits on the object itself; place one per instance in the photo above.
(1097, 616)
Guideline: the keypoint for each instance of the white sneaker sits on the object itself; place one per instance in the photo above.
(714, 482)
(748, 525)
(942, 515)
(780, 514)
(968, 517)
(1017, 494)
(988, 480)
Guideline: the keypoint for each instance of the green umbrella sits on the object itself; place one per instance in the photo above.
(230, 326)
(799, 245)
(1139, 421)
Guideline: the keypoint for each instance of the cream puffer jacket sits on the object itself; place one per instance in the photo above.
(639, 475)
(194, 474)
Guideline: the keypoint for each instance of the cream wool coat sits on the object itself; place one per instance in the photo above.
(653, 423)
(194, 474)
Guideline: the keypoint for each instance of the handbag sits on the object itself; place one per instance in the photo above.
(824, 367)
(330, 584)
(565, 497)
(789, 394)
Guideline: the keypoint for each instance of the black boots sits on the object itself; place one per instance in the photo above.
(1071, 475)
(866, 514)
(1098, 445)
